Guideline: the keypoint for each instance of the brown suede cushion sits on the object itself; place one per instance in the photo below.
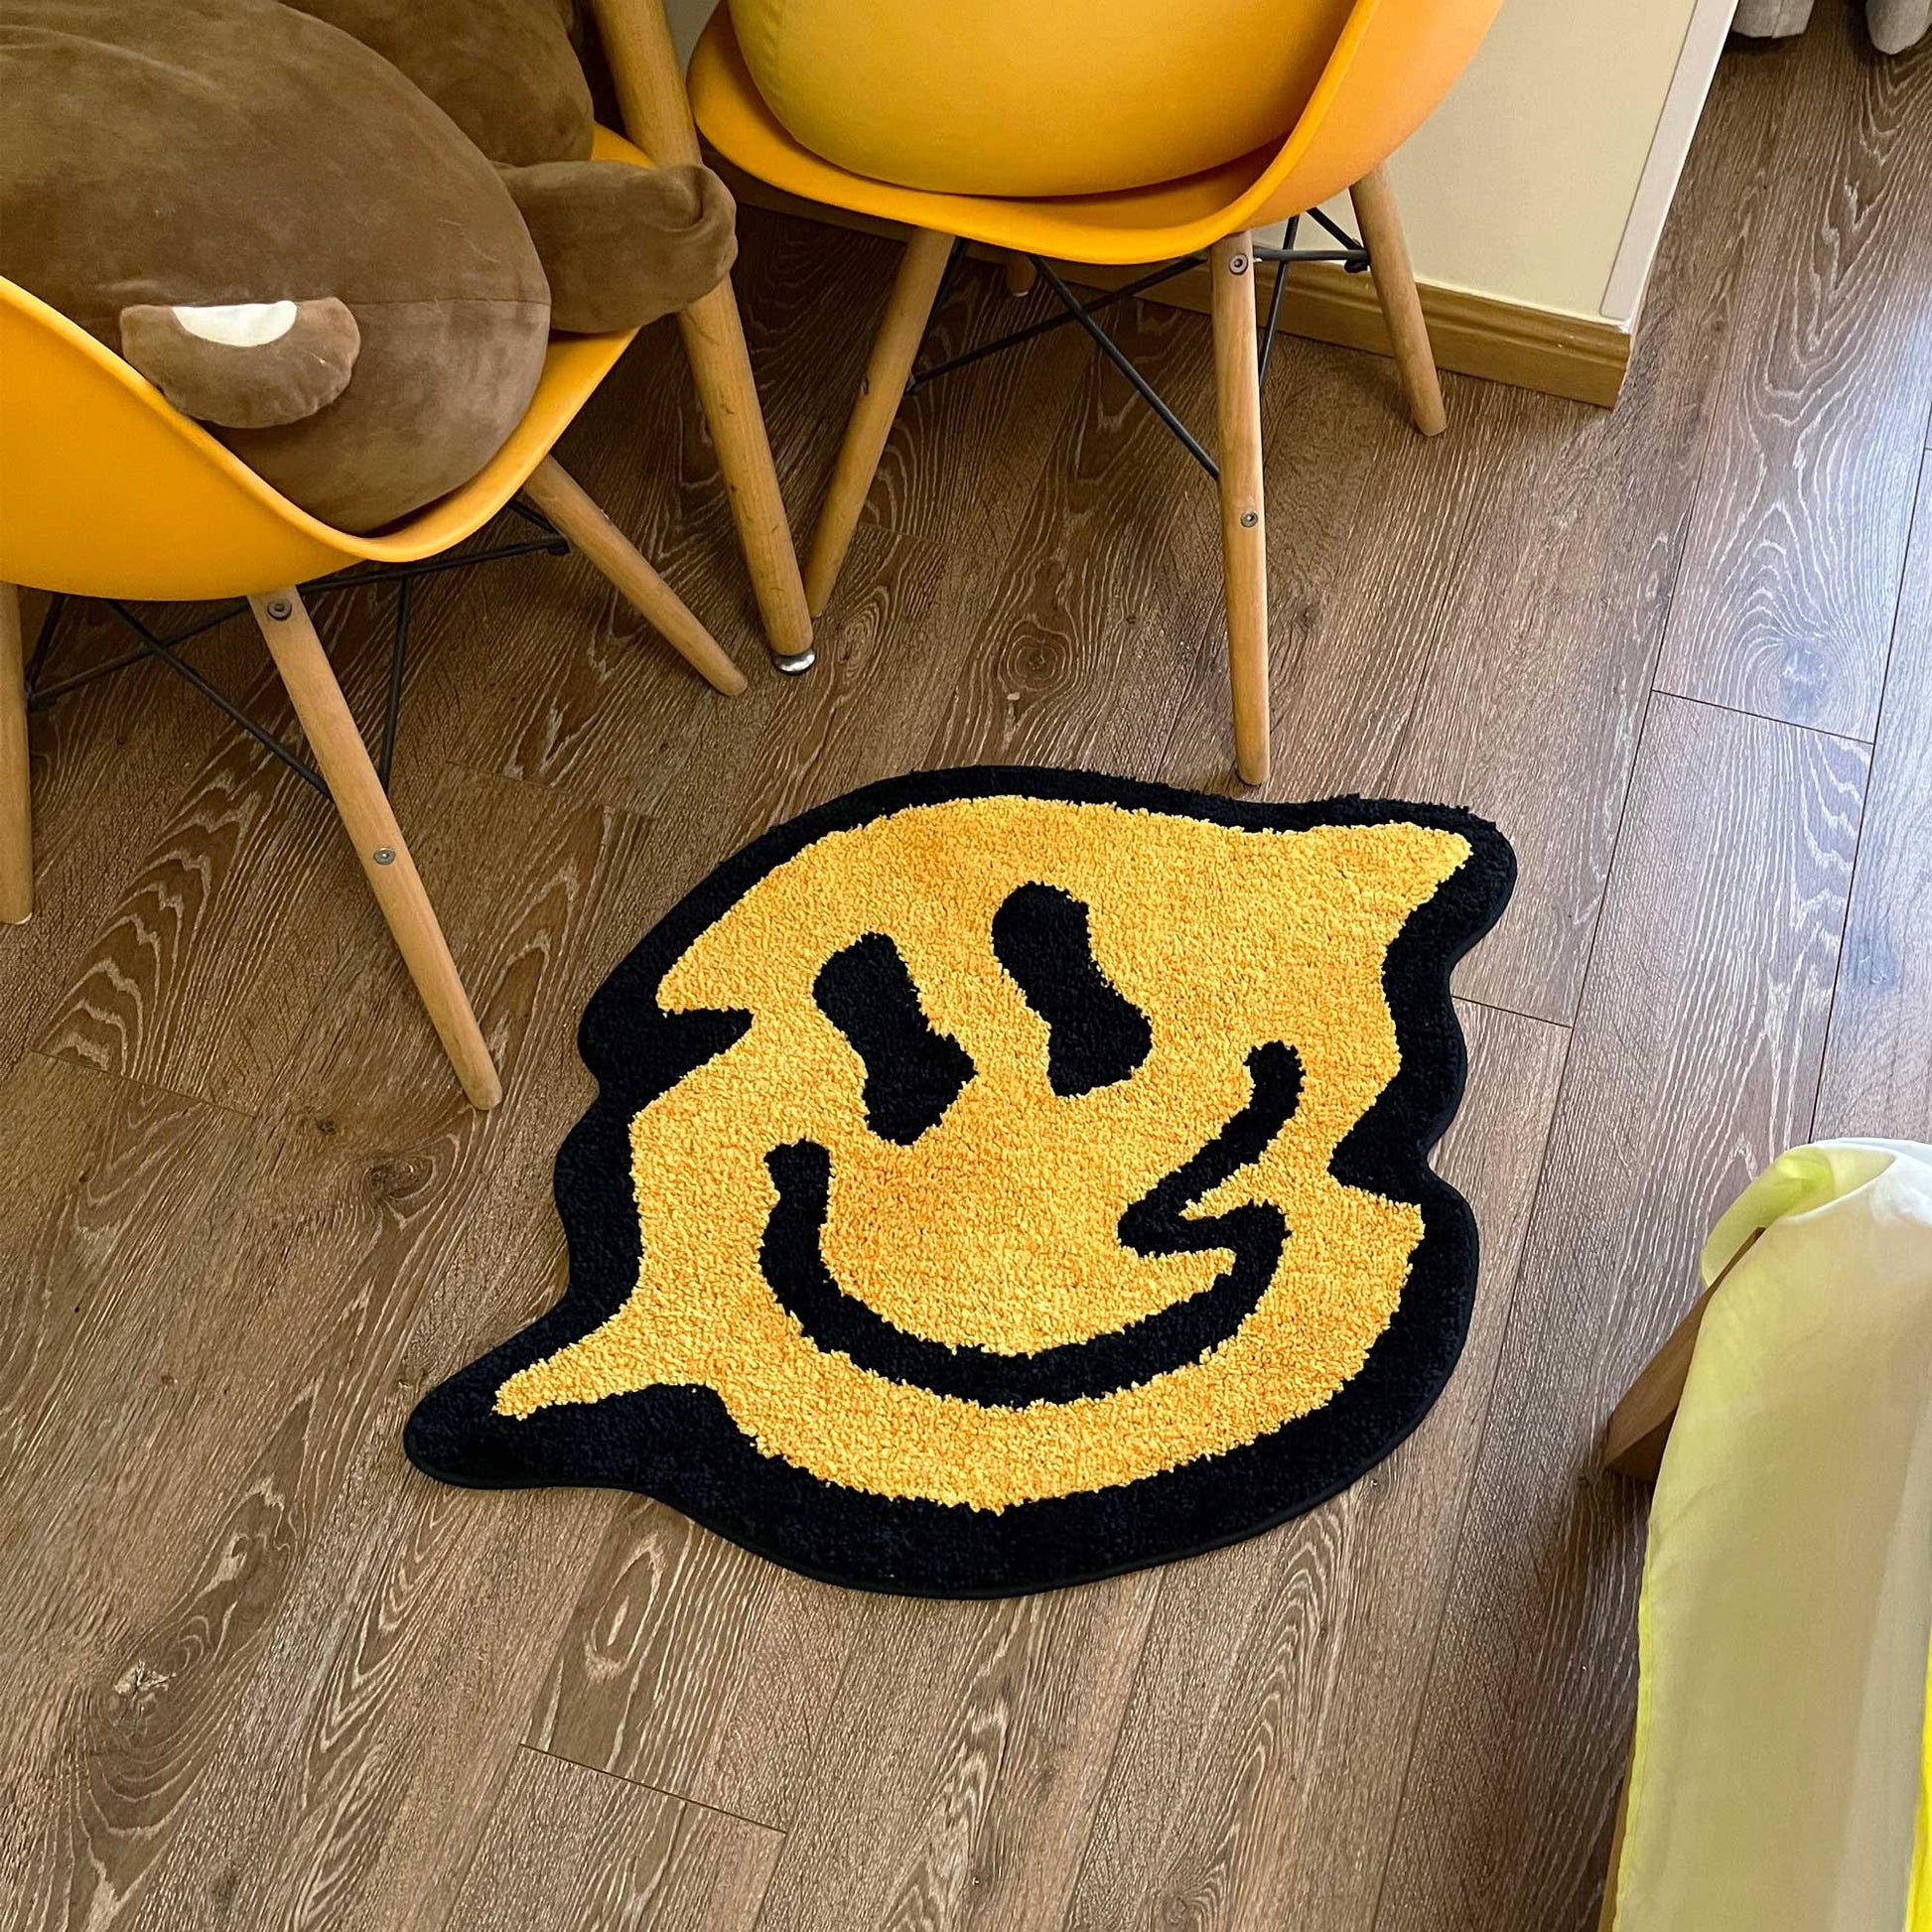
(503, 71)
(162, 152)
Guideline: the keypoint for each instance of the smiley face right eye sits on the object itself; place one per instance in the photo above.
(1095, 1035)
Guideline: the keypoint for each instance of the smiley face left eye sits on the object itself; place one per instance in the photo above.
(1042, 936)
(914, 1072)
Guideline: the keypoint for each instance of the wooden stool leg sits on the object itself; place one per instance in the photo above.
(572, 509)
(344, 761)
(16, 810)
(1244, 527)
(651, 89)
(908, 311)
(1395, 289)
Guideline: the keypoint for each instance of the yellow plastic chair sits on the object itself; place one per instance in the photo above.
(1391, 64)
(108, 490)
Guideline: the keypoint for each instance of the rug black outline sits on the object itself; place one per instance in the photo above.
(679, 1444)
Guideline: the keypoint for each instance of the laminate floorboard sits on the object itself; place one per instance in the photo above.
(691, 1666)
(565, 1846)
(264, 1675)
(270, 1357)
(108, 1202)
(1694, 1063)
(106, 758)
(119, 1197)
(1878, 1076)
(203, 973)
(409, 1633)
(1100, 593)
(1807, 486)
(1257, 1770)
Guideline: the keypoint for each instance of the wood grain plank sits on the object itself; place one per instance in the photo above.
(980, 437)
(569, 657)
(565, 1846)
(898, 647)
(1257, 1776)
(594, 709)
(964, 1753)
(116, 1188)
(1475, 617)
(1080, 642)
(692, 1666)
(102, 1180)
(1879, 1060)
(958, 469)
(1695, 1061)
(1807, 488)
(347, 1785)
(812, 297)
(190, 982)
(375, 1177)
(116, 1195)
(108, 756)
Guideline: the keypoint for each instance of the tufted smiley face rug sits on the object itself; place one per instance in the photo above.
(1001, 1179)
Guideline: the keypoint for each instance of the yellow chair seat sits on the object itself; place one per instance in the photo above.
(107, 500)
(1391, 64)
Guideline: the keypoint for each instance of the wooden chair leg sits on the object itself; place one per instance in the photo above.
(656, 111)
(1021, 274)
(344, 761)
(1244, 526)
(16, 810)
(575, 513)
(1638, 1432)
(1395, 289)
(908, 311)
(714, 340)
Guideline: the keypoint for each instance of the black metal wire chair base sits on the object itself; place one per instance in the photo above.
(150, 645)
(1349, 252)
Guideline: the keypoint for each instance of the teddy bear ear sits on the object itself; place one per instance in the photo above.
(244, 364)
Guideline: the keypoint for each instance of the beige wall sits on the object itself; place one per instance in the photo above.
(1523, 183)
(1544, 178)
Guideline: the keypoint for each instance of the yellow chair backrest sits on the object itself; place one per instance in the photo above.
(1391, 62)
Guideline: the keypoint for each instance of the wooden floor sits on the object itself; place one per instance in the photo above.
(260, 1674)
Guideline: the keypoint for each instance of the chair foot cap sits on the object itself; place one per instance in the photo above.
(797, 664)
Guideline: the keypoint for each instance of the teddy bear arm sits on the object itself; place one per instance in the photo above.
(621, 245)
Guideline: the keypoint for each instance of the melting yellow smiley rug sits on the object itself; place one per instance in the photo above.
(999, 1178)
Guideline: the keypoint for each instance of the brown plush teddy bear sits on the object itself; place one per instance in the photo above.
(338, 232)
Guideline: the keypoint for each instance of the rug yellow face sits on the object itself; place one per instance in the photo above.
(1035, 1150)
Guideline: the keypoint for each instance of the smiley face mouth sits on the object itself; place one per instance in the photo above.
(1158, 1224)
